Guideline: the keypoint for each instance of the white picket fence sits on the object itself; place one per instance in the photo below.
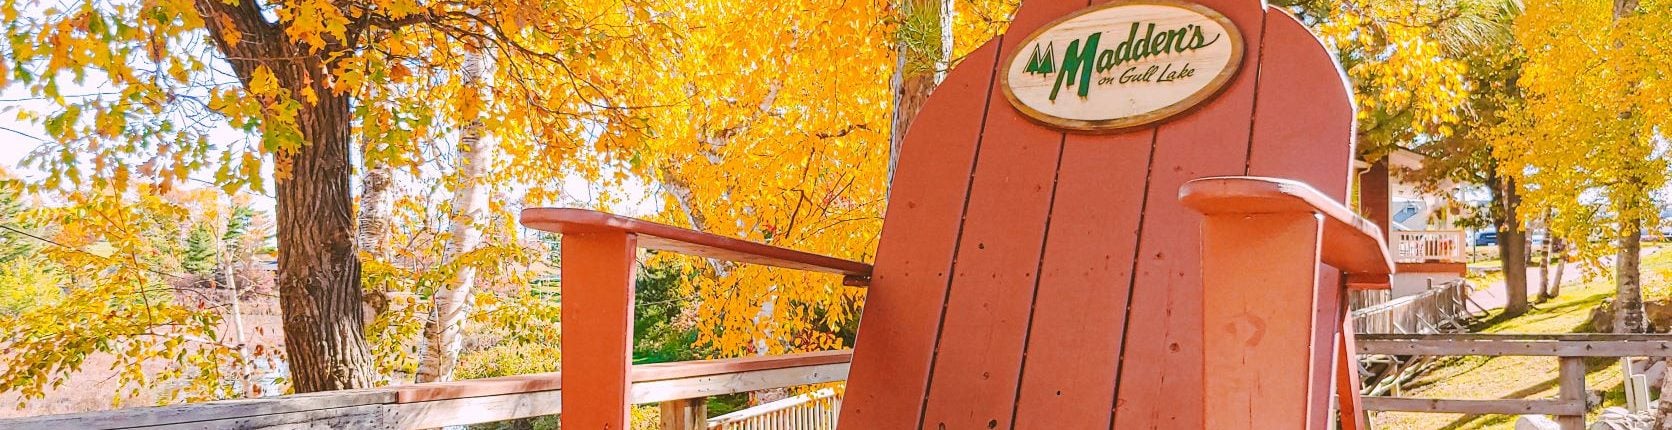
(811, 411)
(1430, 246)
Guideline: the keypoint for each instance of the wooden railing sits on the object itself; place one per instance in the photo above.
(1432, 311)
(678, 387)
(811, 411)
(1570, 349)
(1447, 246)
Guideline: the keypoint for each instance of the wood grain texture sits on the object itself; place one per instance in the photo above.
(1478, 346)
(914, 258)
(669, 238)
(1074, 342)
(1348, 384)
(175, 414)
(1570, 387)
(1303, 130)
(1476, 407)
(1351, 243)
(1162, 365)
(978, 356)
(639, 373)
(597, 328)
(1259, 276)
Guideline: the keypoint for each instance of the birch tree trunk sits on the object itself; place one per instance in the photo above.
(1628, 282)
(924, 51)
(372, 224)
(1561, 264)
(451, 303)
(1544, 263)
(230, 271)
(1628, 285)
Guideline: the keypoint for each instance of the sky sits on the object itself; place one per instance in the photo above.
(19, 138)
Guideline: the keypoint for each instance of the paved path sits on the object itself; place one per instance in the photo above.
(1493, 297)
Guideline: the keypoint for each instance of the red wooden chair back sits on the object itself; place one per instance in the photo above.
(1029, 277)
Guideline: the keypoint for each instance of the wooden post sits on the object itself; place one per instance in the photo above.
(1571, 388)
(1348, 385)
(597, 328)
(685, 414)
(1260, 286)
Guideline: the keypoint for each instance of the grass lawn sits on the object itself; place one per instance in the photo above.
(1523, 377)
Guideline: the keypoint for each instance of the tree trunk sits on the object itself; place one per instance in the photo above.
(923, 49)
(1561, 265)
(443, 333)
(319, 272)
(373, 220)
(245, 371)
(1628, 285)
(1512, 246)
(372, 233)
(1544, 263)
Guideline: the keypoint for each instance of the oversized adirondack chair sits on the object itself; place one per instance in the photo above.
(1182, 268)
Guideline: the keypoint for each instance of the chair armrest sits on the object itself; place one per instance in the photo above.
(669, 238)
(1351, 243)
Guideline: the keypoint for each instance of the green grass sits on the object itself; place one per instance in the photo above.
(1522, 377)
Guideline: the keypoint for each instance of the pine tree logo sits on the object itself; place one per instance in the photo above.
(1042, 63)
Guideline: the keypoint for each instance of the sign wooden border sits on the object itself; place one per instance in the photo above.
(1212, 89)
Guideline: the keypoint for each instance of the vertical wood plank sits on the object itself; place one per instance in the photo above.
(1304, 119)
(1303, 130)
(1348, 385)
(685, 414)
(597, 290)
(1259, 276)
(1073, 345)
(897, 333)
(977, 367)
(1570, 380)
(1161, 367)
(973, 382)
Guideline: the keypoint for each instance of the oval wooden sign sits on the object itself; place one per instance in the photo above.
(1122, 65)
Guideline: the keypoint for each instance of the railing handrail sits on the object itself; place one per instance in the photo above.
(422, 406)
(1418, 246)
(770, 407)
(1569, 407)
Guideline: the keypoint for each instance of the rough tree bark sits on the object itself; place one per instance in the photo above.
(319, 273)
(1512, 243)
(451, 303)
(921, 65)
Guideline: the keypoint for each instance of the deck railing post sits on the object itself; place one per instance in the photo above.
(1570, 382)
(597, 328)
(1260, 289)
(685, 414)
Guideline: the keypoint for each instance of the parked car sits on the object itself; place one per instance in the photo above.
(1490, 238)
